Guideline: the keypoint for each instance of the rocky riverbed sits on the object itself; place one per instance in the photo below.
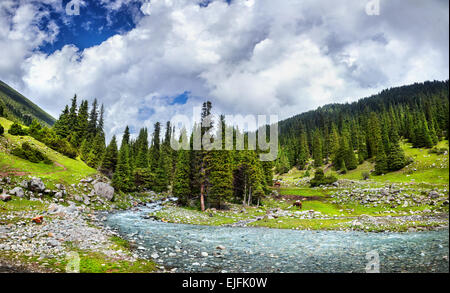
(193, 248)
(63, 229)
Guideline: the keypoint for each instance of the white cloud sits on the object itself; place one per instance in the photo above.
(281, 57)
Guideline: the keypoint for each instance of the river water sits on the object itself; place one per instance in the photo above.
(276, 250)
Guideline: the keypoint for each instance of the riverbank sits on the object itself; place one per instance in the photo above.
(351, 206)
(65, 233)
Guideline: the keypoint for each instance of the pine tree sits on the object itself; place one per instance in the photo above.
(396, 157)
(317, 149)
(182, 183)
(220, 173)
(142, 160)
(96, 153)
(110, 160)
(122, 176)
(61, 126)
(93, 116)
(381, 165)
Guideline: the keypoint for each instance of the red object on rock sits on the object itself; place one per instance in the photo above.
(38, 219)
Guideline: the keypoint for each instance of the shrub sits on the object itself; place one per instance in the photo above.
(365, 175)
(321, 179)
(438, 151)
(2, 130)
(16, 129)
(31, 154)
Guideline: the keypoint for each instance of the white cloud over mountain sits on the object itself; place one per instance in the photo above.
(248, 57)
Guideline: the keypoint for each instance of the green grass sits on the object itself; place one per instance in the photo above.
(19, 204)
(66, 170)
(193, 216)
(301, 224)
(423, 163)
(90, 262)
(306, 192)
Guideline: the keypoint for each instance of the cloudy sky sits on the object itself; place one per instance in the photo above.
(149, 60)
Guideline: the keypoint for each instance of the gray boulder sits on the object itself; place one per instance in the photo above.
(24, 184)
(17, 191)
(36, 184)
(59, 194)
(5, 197)
(433, 194)
(104, 190)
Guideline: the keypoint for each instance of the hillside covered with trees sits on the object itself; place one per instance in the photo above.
(345, 135)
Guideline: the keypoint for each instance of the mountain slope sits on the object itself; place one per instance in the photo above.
(63, 170)
(19, 108)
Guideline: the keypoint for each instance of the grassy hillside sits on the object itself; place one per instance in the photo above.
(64, 170)
(19, 108)
(427, 168)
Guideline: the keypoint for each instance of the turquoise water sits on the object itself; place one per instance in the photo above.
(277, 250)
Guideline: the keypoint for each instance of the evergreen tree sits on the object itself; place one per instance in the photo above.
(142, 149)
(396, 158)
(381, 165)
(317, 149)
(110, 160)
(122, 176)
(220, 173)
(61, 126)
(181, 183)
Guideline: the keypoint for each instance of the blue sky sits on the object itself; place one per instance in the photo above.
(95, 24)
(147, 61)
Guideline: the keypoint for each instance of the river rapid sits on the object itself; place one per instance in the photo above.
(193, 248)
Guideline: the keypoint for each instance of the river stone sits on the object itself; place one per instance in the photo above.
(78, 198)
(104, 190)
(36, 184)
(17, 191)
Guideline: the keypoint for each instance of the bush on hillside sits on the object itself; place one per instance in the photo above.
(31, 154)
(2, 130)
(321, 179)
(16, 129)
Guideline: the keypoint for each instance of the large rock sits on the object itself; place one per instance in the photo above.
(17, 191)
(104, 190)
(36, 184)
(5, 197)
(24, 184)
(433, 194)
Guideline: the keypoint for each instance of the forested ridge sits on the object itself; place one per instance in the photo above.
(20, 109)
(371, 128)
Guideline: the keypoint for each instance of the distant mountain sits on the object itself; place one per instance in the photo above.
(20, 109)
